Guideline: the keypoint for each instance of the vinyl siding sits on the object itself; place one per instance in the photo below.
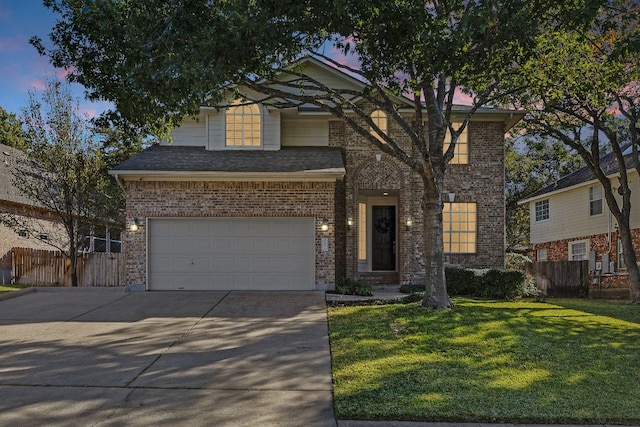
(191, 133)
(305, 132)
(569, 216)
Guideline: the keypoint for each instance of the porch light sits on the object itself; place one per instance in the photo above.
(378, 156)
(350, 222)
(409, 223)
(136, 225)
(325, 224)
(452, 197)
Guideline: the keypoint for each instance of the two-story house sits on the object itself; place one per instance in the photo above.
(256, 197)
(570, 221)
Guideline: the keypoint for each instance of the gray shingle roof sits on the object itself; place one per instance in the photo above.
(608, 164)
(9, 158)
(162, 158)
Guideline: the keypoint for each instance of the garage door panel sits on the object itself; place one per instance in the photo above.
(231, 253)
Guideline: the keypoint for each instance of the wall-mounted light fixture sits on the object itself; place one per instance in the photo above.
(325, 224)
(409, 223)
(452, 197)
(378, 156)
(350, 222)
(136, 225)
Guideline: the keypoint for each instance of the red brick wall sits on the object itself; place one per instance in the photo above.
(558, 250)
(230, 199)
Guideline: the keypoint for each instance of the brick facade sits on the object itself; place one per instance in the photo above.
(153, 199)
(558, 250)
(480, 182)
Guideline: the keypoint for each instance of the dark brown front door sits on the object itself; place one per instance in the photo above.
(384, 238)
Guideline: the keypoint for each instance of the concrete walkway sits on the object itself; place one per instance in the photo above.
(103, 357)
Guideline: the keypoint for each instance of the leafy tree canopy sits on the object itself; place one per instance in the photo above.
(11, 132)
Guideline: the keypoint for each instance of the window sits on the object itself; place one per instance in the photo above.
(43, 236)
(379, 118)
(541, 254)
(461, 152)
(362, 231)
(578, 251)
(542, 210)
(23, 234)
(459, 227)
(621, 264)
(242, 126)
(595, 200)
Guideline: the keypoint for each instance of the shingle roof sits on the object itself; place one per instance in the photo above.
(9, 157)
(162, 158)
(608, 164)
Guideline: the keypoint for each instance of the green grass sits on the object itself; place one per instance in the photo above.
(563, 361)
(9, 288)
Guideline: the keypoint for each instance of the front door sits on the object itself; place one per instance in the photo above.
(383, 238)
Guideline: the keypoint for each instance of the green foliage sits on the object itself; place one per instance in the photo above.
(500, 284)
(347, 286)
(488, 361)
(410, 289)
(11, 132)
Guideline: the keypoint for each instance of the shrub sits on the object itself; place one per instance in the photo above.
(347, 286)
(411, 289)
(503, 284)
(461, 281)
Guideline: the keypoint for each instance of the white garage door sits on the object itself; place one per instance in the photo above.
(231, 253)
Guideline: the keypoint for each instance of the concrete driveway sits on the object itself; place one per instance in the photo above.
(103, 357)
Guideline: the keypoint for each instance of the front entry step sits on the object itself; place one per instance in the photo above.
(379, 277)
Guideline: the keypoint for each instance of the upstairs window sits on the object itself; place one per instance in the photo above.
(459, 228)
(595, 200)
(243, 126)
(461, 152)
(379, 118)
(542, 210)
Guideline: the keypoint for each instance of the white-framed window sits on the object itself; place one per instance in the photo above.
(459, 228)
(362, 231)
(595, 200)
(461, 152)
(621, 264)
(579, 250)
(541, 254)
(379, 118)
(43, 236)
(23, 234)
(542, 210)
(243, 125)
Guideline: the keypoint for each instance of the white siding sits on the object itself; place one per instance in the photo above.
(569, 216)
(216, 131)
(191, 132)
(305, 132)
(271, 130)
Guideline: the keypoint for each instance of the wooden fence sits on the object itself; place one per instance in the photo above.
(42, 267)
(561, 278)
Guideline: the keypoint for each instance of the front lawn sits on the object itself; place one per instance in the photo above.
(563, 361)
(9, 288)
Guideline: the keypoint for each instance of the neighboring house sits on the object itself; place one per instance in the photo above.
(41, 228)
(255, 197)
(570, 220)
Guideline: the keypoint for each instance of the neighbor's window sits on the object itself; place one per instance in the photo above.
(362, 231)
(595, 200)
(459, 227)
(541, 254)
(43, 236)
(23, 234)
(461, 152)
(542, 210)
(242, 126)
(578, 251)
(621, 264)
(379, 118)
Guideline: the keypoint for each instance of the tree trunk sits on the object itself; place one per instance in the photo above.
(435, 295)
(630, 261)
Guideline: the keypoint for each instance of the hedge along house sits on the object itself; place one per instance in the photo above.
(255, 197)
